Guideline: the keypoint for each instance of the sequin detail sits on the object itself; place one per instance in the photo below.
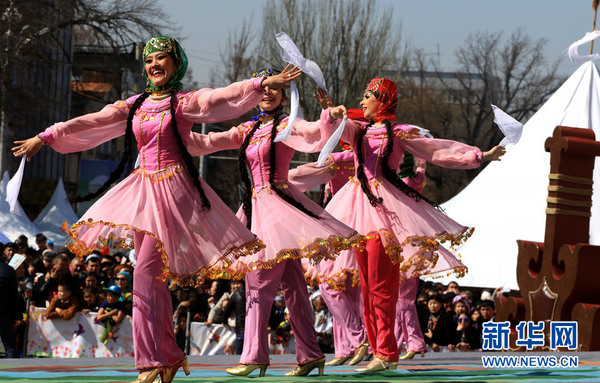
(318, 250)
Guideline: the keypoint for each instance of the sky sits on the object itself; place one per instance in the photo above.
(436, 27)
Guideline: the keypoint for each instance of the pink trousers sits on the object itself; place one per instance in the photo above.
(407, 321)
(261, 287)
(346, 308)
(379, 279)
(153, 337)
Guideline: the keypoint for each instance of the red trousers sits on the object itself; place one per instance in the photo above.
(379, 280)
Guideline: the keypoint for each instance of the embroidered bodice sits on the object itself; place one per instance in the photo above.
(157, 146)
(258, 155)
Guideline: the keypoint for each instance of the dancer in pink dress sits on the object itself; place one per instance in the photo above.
(291, 225)
(338, 283)
(179, 226)
(401, 226)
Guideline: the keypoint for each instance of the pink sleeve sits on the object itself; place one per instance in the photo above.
(212, 105)
(203, 144)
(445, 153)
(350, 132)
(87, 131)
(310, 137)
(308, 176)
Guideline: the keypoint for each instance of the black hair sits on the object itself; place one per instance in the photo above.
(66, 286)
(187, 157)
(486, 303)
(38, 265)
(388, 173)
(247, 199)
(246, 203)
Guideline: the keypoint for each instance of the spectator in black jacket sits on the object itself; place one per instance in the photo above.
(466, 338)
(438, 328)
(8, 308)
(58, 274)
(237, 304)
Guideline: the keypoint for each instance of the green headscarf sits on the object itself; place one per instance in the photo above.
(172, 47)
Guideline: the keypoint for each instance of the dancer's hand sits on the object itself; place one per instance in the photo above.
(323, 99)
(338, 112)
(27, 147)
(282, 79)
(494, 154)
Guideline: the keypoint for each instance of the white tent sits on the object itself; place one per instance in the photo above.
(54, 214)
(507, 200)
(13, 225)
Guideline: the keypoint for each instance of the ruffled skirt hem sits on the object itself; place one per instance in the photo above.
(317, 251)
(124, 235)
(429, 259)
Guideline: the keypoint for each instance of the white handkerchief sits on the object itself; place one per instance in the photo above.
(13, 187)
(511, 128)
(294, 107)
(331, 143)
(574, 54)
(292, 55)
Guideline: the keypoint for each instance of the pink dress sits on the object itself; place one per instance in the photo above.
(287, 232)
(410, 231)
(335, 173)
(159, 198)
(338, 285)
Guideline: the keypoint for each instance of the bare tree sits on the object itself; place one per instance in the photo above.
(351, 40)
(36, 37)
(511, 73)
(237, 57)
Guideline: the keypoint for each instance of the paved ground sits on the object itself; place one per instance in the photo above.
(435, 367)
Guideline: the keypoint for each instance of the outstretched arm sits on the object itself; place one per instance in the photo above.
(212, 105)
(80, 133)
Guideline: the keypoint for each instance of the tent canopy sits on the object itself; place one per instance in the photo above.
(507, 200)
(54, 214)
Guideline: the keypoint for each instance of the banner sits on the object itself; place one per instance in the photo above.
(79, 338)
(76, 338)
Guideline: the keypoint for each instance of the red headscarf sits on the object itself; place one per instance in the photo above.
(388, 96)
(356, 114)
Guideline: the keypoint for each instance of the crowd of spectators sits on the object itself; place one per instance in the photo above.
(101, 283)
(452, 319)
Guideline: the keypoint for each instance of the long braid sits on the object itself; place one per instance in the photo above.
(277, 190)
(391, 176)
(187, 158)
(246, 202)
(126, 164)
(360, 170)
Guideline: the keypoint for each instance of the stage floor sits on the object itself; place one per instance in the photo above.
(434, 367)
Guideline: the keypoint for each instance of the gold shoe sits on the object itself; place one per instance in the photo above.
(307, 368)
(359, 354)
(246, 369)
(368, 357)
(168, 374)
(148, 376)
(338, 361)
(411, 354)
(378, 365)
